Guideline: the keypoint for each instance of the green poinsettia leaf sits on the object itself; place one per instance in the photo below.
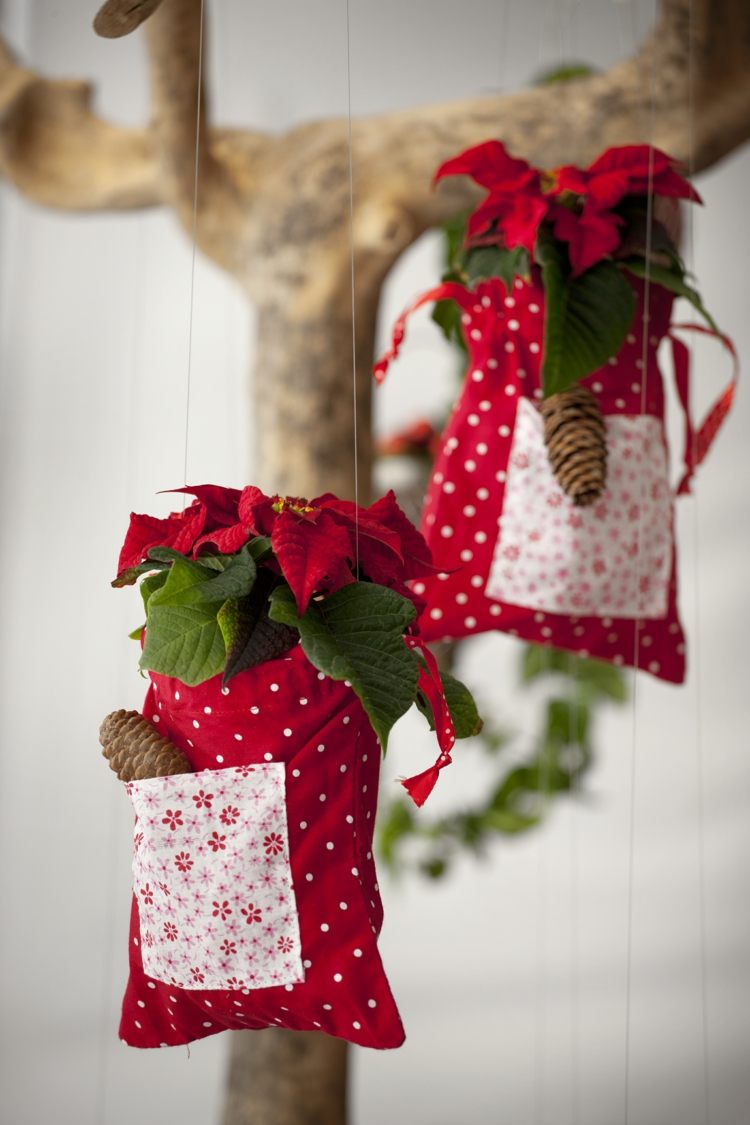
(642, 235)
(250, 636)
(165, 554)
(461, 704)
(497, 261)
(356, 634)
(586, 317)
(671, 278)
(130, 576)
(447, 316)
(184, 641)
(191, 583)
(137, 633)
(259, 546)
(183, 638)
(150, 584)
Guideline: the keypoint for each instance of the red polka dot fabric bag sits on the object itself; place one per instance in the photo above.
(549, 508)
(255, 899)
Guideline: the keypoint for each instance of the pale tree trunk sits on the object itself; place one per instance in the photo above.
(286, 1078)
(305, 429)
(274, 211)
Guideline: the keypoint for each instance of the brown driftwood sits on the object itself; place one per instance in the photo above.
(274, 212)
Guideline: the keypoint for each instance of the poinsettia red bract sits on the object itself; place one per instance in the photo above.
(319, 545)
(578, 202)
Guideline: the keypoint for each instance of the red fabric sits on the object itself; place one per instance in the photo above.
(466, 494)
(285, 711)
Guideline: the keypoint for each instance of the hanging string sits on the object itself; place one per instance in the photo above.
(700, 811)
(353, 288)
(649, 82)
(134, 365)
(194, 236)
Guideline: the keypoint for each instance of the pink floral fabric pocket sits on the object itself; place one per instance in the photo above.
(612, 558)
(213, 881)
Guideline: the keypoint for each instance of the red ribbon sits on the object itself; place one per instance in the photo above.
(430, 684)
(449, 290)
(698, 442)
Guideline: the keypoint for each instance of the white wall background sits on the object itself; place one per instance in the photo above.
(514, 978)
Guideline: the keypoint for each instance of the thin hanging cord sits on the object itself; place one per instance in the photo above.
(194, 249)
(354, 311)
(543, 804)
(566, 39)
(645, 320)
(132, 368)
(702, 904)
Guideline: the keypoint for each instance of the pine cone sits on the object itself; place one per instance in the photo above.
(576, 441)
(136, 750)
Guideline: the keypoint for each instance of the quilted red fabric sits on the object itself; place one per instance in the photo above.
(283, 711)
(516, 554)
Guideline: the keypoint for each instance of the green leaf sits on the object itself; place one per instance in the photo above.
(461, 704)
(393, 826)
(497, 261)
(250, 636)
(434, 868)
(165, 554)
(447, 316)
(586, 318)
(259, 546)
(643, 234)
(184, 642)
(454, 230)
(510, 823)
(183, 638)
(595, 678)
(137, 633)
(565, 72)
(567, 721)
(191, 582)
(150, 584)
(356, 634)
(130, 576)
(672, 279)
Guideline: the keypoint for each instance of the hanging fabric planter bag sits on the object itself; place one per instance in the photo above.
(558, 539)
(256, 900)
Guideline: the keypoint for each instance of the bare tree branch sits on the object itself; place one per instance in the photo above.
(224, 177)
(274, 211)
(58, 153)
(119, 17)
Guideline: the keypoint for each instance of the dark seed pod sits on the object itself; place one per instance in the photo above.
(576, 441)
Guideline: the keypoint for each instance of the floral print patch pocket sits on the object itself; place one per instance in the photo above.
(213, 881)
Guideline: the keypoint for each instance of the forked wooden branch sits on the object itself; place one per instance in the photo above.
(274, 212)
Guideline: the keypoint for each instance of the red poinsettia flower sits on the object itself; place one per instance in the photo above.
(521, 197)
(212, 517)
(515, 206)
(179, 530)
(515, 217)
(591, 232)
(590, 236)
(319, 543)
(491, 166)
